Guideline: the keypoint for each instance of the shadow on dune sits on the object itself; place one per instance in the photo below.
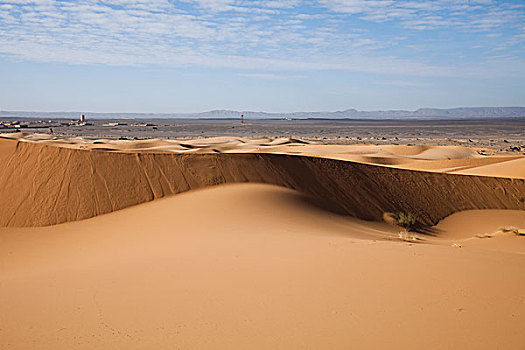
(45, 185)
(325, 204)
(427, 230)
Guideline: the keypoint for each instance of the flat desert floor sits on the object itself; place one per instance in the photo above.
(265, 243)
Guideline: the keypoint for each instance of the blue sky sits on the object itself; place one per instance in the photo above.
(266, 55)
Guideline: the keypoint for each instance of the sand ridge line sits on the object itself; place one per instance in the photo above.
(450, 159)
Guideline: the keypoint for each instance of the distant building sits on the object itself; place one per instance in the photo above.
(82, 118)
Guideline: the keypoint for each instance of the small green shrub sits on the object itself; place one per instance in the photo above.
(407, 221)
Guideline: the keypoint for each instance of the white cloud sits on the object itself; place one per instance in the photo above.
(404, 83)
(272, 76)
(270, 35)
(480, 15)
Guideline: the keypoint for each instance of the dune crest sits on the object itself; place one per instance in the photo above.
(48, 184)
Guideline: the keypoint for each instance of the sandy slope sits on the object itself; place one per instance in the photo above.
(47, 185)
(233, 264)
(253, 266)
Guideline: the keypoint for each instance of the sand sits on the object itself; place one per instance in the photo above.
(259, 248)
(55, 181)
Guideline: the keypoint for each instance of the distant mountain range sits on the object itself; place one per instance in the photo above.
(422, 113)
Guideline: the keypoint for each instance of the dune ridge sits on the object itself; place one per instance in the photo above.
(46, 185)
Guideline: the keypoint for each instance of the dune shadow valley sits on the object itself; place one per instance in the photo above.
(235, 242)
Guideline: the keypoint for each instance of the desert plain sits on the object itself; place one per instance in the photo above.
(263, 242)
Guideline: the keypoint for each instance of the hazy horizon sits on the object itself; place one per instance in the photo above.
(421, 113)
(262, 111)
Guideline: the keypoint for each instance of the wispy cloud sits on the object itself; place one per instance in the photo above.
(404, 83)
(261, 35)
(468, 15)
(272, 76)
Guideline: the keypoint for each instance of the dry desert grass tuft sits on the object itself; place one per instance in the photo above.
(512, 229)
(408, 237)
(484, 235)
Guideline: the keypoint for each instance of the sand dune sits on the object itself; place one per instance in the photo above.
(417, 157)
(266, 248)
(49, 183)
(512, 168)
(207, 269)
